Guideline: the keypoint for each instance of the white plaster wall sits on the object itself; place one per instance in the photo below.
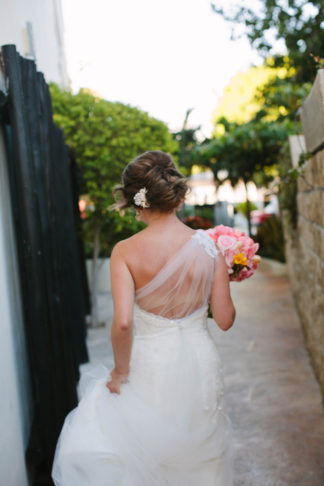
(15, 403)
(48, 34)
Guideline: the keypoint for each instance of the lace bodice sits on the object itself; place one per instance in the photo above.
(183, 285)
(147, 323)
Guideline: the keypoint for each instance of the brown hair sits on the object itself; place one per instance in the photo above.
(156, 171)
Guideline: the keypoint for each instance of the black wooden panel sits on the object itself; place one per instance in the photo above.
(51, 269)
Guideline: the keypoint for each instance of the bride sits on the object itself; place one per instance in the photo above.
(158, 418)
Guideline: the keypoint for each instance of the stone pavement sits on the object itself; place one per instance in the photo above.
(98, 339)
(273, 398)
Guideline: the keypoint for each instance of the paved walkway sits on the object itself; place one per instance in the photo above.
(273, 398)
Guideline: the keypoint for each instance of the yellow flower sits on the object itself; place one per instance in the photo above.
(240, 259)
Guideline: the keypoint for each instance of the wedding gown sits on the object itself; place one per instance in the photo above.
(168, 426)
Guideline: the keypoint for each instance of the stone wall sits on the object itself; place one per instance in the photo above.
(305, 244)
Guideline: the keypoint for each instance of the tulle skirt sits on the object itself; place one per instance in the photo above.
(168, 426)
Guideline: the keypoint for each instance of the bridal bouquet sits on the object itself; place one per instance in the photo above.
(238, 250)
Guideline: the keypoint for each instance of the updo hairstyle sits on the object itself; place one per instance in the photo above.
(156, 171)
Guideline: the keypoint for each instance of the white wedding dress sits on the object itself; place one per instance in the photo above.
(168, 426)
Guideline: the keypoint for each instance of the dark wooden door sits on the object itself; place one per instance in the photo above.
(51, 269)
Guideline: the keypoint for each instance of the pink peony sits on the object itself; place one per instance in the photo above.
(221, 230)
(226, 242)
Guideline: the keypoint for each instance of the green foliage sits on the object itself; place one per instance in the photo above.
(319, 61)
(245, 150)
(297, 23)
(241, 207)
(205, 211)
(115, 227)
(282, 97)
(253, 151)
(187, 142)
(244, 96)
(256, 150)
(104, 137)
(266, 92)
(271, 239)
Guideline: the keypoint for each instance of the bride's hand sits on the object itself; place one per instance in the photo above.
(117, 379)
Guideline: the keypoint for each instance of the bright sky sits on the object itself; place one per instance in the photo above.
(163, 56)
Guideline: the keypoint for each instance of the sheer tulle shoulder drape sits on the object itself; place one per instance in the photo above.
(184, 284)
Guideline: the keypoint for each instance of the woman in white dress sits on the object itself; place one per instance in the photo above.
(158, 418)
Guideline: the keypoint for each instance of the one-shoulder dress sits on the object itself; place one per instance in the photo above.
(168, 426)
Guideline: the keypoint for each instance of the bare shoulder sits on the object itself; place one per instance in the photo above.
(119, 251)
(123, 247)
(145, 243)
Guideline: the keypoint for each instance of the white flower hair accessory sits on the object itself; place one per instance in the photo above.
(140, 198)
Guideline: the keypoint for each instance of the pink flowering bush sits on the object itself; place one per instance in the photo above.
(238, 250)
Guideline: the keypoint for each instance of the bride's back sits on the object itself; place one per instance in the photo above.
(172, 274)
(172, 270)
(149, 250)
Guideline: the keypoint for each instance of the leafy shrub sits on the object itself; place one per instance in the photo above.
(241, 207)
(271, 239)
(115, 228)
(103, 137)
(205, 211)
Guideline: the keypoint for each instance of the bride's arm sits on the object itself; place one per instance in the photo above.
(223, 309)
(123, 291)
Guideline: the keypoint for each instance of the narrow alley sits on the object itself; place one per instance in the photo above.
(273, 398)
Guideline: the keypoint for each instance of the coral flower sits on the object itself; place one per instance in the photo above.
(240, 259)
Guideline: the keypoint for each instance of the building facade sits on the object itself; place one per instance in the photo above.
(35, 27)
